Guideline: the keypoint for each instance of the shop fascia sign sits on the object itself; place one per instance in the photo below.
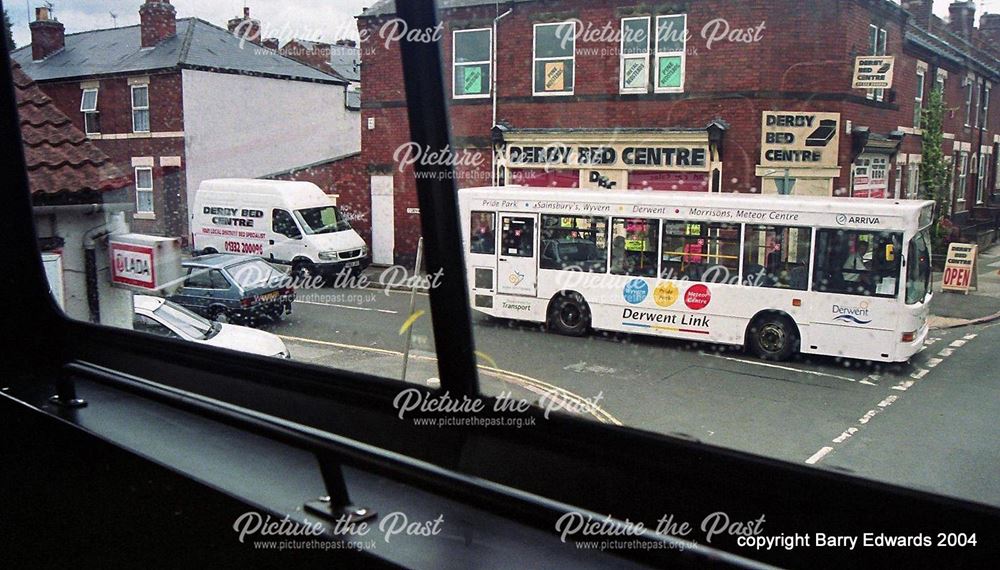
(628, 156)
(799, 139)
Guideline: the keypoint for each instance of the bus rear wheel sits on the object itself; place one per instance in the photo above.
(569, 314)
(773, 337)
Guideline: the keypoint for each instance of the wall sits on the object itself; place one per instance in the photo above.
(115, 303)
(239, 126)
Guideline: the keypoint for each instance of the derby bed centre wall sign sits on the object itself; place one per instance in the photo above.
(679, 161)
(799, 152)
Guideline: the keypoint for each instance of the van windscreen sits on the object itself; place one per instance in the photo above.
(322, 220)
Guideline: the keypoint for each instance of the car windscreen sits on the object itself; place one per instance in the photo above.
(256, 273)
(184, 320)
(322, 220)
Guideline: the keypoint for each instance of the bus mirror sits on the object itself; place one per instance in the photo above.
(890, 252)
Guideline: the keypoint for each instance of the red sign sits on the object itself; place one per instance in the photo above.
(132, 265)
(957, 277)
(697, 297)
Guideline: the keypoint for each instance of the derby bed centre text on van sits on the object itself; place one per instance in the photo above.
(292, 223)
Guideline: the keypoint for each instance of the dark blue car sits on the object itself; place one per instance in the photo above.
(238, 288)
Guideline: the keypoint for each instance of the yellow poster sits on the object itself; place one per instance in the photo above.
(555, 76)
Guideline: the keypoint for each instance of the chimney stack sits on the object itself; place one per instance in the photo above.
(158, 20)
(246, 28)
(271, 43)
(963, 18)
(989, 32)
(48, 35)
(921, 10)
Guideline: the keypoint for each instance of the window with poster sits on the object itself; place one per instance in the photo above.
(870, 176)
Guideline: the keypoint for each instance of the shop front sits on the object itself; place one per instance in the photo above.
(667, 160)
(872, 164)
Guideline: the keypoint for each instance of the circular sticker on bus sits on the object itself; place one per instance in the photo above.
(665, 294)
(636, 291)
(697, 297)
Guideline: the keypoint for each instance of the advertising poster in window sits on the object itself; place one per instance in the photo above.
(555, 76)
(871, 178)
(670, 72)
(635, 73)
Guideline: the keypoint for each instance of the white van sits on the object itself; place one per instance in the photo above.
(293, 223)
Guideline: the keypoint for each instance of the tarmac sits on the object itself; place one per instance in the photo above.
(948, 309)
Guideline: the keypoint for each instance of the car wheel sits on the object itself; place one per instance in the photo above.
(569, 314)
(773, 337)
(218, 314)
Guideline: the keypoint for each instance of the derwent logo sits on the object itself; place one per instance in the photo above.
(856, 315)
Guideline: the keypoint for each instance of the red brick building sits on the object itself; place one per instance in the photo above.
(177, 101)
(685, 95)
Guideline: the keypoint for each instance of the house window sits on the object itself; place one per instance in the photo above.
(635, 55)
(471, 63)
(555, 58)
(913, 181)
(918, 101)
(939, 84)
(144, 190)
(984, 105)
(876, 46)
(963, 173)
(671, 45)
(968, 101)
(88, 106)
(981, 180)
(140, 108)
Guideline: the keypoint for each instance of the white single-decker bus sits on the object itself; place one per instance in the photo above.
(777, 274)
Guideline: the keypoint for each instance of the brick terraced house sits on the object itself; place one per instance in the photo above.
(691, 95)
(177, 101)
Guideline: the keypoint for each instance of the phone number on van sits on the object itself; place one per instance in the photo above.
(243, 247)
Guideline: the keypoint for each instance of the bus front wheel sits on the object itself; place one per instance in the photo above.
(569, 315)
(773, 337)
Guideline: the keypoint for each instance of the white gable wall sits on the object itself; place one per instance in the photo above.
(244, 127)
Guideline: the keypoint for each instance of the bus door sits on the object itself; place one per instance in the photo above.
(517, 259)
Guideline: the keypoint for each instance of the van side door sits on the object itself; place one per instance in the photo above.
(286, 238)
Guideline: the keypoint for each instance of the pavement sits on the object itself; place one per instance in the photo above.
(980, 305)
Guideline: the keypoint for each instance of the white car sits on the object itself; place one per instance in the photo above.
(161, 317)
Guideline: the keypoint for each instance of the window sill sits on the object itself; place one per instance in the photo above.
(144, 216)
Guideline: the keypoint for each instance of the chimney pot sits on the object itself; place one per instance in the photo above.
(921, 10)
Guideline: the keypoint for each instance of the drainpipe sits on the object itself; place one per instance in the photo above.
(493, 73)
(115, 225)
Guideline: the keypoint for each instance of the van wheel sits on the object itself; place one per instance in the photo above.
(773, 337)
(303, 269)
(569, 314)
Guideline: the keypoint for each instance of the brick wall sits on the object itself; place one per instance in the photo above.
(115, 106)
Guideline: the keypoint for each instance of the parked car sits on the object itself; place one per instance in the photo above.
(161, 317)
(237, 288)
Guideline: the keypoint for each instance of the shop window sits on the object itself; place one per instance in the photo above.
(88, 106)
(576, 243)
(635, 55)
(634, 246)
(140, 108)
(144, 190)
(484, 236)
(776, 257)
(668, 181)
(545, 178)
(518, 237)
(554, 58)
(671, 46)
(700, 251)
(855, 262)
(471, 65)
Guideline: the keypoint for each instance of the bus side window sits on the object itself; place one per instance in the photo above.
(634, 246)
(483, 228)
(776, 256)
(518, 237)
(855, 263)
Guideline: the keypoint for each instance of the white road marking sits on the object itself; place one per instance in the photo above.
(819, 455)
(920, 373)
(844, 436)
(946, 352)
(958, 343)
(903, 386)
(932, 362)
(386, 311)
(789, 368)
(970, 336)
